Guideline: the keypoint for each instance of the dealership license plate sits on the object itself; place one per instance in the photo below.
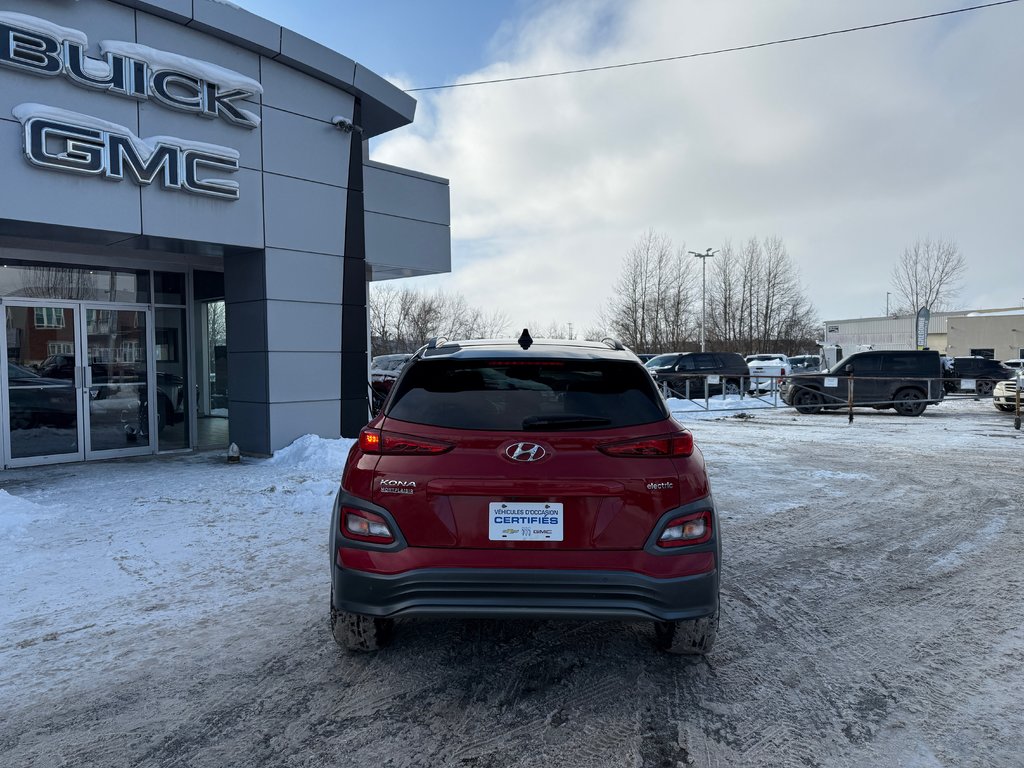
(525, 521)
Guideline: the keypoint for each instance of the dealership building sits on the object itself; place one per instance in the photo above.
(993, 333)
(189, 222)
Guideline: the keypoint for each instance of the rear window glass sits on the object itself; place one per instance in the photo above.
(521, 395)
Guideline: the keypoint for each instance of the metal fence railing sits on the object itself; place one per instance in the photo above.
(907, 394)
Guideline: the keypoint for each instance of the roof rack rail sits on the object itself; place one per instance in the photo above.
(613, 343)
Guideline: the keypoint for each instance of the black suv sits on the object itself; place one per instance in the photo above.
(678, 368)
(982, 370)
(907, 380)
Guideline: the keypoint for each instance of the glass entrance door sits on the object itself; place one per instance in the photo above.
(77, 384)
(42, 385)
(117, 381)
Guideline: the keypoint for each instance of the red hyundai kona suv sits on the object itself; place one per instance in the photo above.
(506, 479)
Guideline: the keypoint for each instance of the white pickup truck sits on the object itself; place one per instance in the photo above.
(765, 371)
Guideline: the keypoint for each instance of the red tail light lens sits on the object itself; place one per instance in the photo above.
(686, 531)
(391, 443)
(361, 525)
(679, 444)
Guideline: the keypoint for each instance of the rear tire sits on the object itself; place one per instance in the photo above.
(984, 388)
(807, 401)
(361, 634)
(909, 402)
(691, 637)
(731, 387)
(1007, 408)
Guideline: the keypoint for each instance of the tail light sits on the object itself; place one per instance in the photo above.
(686, 531)
(361, 525)
(391, 443)
(677, 445)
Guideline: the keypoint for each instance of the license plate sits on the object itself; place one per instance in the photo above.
(525, 521)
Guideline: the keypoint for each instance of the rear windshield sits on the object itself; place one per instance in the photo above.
(521, 395)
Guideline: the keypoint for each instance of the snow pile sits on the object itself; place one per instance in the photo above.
(16, 514)
(313, 454)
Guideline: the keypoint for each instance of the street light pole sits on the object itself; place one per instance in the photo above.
(887, 303)
(703, 290)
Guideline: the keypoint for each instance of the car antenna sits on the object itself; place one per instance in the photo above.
(525, 340)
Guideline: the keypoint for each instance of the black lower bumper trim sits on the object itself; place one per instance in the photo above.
(497, 593)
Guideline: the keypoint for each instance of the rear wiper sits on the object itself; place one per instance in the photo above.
(564, 421)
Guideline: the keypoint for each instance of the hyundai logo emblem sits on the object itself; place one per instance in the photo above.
(525, 452)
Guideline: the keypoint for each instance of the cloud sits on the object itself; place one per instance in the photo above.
(847, 147)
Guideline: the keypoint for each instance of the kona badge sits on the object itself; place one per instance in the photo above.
(525, 452)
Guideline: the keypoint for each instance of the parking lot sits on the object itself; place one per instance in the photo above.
(872, 602)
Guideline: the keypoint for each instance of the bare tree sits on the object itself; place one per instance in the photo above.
(651, 309)
(927, 275)
(756, 302)
(401, 320)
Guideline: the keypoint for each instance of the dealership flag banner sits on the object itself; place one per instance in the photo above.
(923, 316)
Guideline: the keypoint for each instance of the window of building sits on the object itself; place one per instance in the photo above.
(986, 352)
(60, 348)
(49, 317)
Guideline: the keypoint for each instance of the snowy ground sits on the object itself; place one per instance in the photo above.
(173, 612)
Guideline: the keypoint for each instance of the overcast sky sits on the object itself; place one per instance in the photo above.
(848, 148)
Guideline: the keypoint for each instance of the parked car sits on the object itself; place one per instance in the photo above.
(677, 368)
(39, 401)
(983, 371)
(766, 370)
(1016, 364)
(543, 479)
(1004, 394)
(907, 380)
(805, 362)
(384, 371)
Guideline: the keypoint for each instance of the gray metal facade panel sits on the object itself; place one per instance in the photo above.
(51, 197)
(289, 421)
(155, 120)
(298, 276)
(304, 148)
(400, 105)
(304, 376)
(293, 91)
(247, 326)
(417, 247)
(244, 277)
(98, 19)
(237, 25)
(185, 41)
(397, 194)
(313, 58)
(303, 215)
(182, 215)
(248, 374)
(20, 88)
(177, 10)
(250, 426)
(303, 327)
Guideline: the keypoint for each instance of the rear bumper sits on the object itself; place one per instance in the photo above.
(498, 593)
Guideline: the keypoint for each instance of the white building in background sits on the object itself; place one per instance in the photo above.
(994, 333)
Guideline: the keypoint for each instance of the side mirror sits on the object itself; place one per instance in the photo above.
(849, 368)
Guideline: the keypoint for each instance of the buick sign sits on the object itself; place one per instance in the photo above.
(39, 47)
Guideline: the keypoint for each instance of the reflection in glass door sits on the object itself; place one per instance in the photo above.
(117, 380)
(43, 383)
